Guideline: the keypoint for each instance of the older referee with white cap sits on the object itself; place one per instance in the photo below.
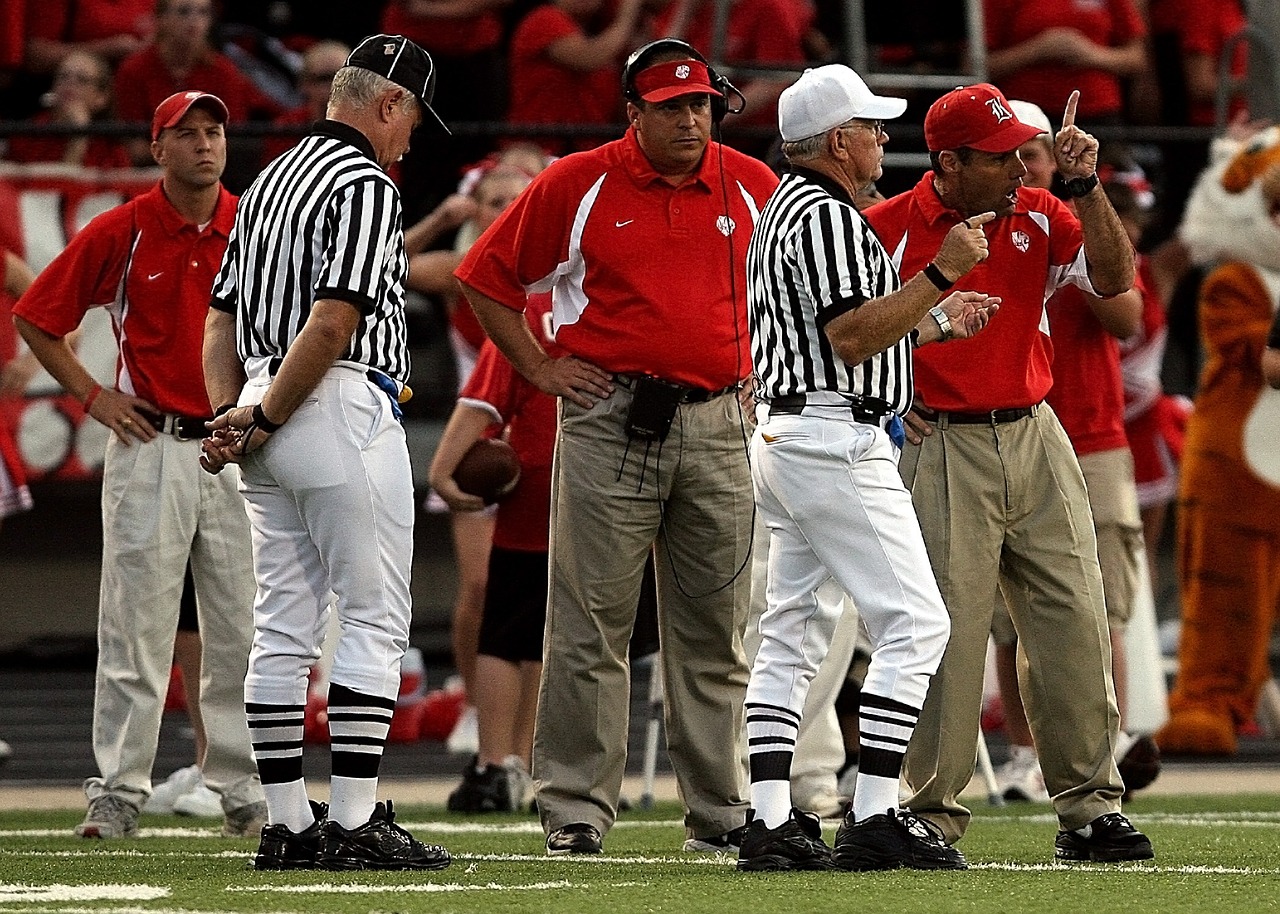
(832, 331)
(306, 333)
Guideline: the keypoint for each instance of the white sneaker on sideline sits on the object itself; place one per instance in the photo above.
(199, 801)
(519, 782)
(167, 792)
(1020, 779)
(465, 738)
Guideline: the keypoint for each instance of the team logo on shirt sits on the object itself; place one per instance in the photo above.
(725, 225)
(1021, 241)
(998, 109)
(682, 71)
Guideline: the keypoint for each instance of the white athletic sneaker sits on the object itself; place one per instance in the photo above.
(198, 801)
(465, 738)
(519, 782)
(1020, 779)
(167, 792)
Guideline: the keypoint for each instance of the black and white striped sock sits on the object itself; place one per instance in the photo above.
(884, 729)
(358, 727)
(275, 732)
(771, 744)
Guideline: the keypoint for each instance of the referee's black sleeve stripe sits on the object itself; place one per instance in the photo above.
(220, 304)
(358, 300)
(843, 306)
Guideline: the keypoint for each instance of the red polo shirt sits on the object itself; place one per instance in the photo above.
(153, 272)
(1087, 392)
(645, 277)
(1032, 252)
(143, 82)
(524, 517)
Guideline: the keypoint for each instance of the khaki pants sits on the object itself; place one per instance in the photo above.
(612, 501)
(1012, 496)
(159, 509)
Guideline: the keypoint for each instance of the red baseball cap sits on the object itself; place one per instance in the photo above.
(175, 108)
(978, 117)
(674, 78)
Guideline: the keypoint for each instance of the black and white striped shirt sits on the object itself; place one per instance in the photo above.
(321, 221)
(812, 258)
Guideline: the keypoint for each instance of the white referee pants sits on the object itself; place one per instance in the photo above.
(159, 509)
(820, 751)
(330, 499)
(830, 494)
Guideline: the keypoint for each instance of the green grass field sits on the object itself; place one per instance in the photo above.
(1213, 854)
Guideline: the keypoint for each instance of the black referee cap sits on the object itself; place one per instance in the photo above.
(404, 63)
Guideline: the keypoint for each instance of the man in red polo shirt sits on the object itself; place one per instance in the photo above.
(995, 482)
(642, 243)
(151, 262)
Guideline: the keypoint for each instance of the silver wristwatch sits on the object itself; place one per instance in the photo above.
(944, 322)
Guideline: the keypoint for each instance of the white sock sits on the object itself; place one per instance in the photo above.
(351, 800)
(287, 805)
(873, 796)
(771, 801)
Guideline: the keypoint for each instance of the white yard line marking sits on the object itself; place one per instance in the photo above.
(333, 888)
(21, 892)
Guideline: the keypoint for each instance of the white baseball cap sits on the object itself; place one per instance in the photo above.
(1032, 115)
(826, 97)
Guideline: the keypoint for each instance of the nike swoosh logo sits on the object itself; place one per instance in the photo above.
(154, 275)
(621, 224)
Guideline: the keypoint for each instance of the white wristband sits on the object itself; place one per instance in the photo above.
(944, 322)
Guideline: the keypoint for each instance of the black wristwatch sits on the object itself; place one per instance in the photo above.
(1080, 187)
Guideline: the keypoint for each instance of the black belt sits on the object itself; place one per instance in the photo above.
(688, 394)
(184, 428)
(870, 410)
(994, 417)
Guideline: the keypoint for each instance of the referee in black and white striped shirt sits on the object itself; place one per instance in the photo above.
(306, 332)
(832, 334)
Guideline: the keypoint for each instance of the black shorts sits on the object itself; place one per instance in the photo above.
(515, 606)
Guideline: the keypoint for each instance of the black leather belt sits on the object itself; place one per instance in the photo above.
(184, 428)
(688, 395)
(864, 409)
(995, 417)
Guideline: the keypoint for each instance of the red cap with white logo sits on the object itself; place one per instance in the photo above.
(978, 117)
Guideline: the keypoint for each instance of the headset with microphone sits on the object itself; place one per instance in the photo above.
(641, 57)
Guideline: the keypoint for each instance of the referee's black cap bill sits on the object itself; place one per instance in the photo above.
(404, 63)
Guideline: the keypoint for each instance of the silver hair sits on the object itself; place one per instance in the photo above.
(361, 87)
(811, 147)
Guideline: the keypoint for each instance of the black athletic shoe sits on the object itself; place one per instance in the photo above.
(281, 849)
(378, 844)
(796, 844)
(895, 839)
(1110, 838)
(481, 790)
(575, 838)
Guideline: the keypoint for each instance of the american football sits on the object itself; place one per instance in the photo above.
(489, 469)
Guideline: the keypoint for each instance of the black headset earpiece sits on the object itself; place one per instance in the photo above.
(639, 59)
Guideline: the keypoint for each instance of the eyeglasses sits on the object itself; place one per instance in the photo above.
(876, 127)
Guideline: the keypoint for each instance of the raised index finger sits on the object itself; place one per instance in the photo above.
(1069, 116)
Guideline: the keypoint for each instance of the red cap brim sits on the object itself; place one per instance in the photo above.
(1008, 139)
